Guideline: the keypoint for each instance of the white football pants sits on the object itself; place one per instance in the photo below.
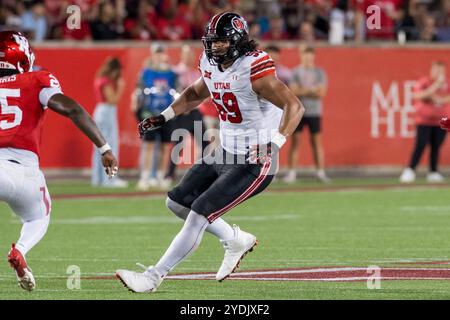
(24, 189)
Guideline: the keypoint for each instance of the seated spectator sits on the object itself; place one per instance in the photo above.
(140, 22)
(409, 23)
(268, 20)
(9, 19)
(390, 15)
(276, 30)
(201, 13)
(428, 32)
(255, 30)
(307, 32)
(173, 26)
(34, 22)
(443, 34)
(104, 28)
(319, 16)
(81, 33)
(55, 12)
(442, 14)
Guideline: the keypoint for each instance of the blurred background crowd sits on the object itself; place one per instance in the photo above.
(335, 21)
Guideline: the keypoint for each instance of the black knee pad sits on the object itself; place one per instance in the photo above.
(180, 197)
(174, 195)
(203, 206)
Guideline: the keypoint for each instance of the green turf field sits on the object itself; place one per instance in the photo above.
(342, 225)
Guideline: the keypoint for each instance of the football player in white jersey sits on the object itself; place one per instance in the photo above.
(257, 112)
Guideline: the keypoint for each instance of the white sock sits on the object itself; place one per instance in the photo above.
(32, 232)
(145, 174)
(184, 243)
(220, 228)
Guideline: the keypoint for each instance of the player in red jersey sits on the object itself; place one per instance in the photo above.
(24, 99)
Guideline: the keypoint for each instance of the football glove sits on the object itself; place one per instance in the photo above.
(262, 153)
(150, 124)
(445, 124)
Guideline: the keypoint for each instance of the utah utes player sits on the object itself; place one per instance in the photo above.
(24, 98)
(257, 112)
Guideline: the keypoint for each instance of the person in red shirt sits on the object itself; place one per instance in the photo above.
(25, 97)
(390, 13)
(108, 89)
(88, 10)
(173, 26)
(432, 103)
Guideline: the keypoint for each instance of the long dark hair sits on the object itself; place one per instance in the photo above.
(246, 45)
(109, 66)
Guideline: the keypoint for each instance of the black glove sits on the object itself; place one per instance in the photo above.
(262, 153)
(151, 123)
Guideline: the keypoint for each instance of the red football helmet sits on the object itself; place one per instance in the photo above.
(15, 52)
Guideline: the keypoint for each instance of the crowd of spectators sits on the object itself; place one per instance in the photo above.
(309, 20)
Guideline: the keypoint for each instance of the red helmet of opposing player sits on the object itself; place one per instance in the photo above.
(15, 52)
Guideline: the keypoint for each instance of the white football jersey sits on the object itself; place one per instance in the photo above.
(245, 118)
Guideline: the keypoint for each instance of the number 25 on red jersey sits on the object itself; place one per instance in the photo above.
(10, 115)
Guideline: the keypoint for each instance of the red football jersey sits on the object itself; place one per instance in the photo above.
(21, 108)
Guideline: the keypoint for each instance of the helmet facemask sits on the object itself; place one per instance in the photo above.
(231, 54)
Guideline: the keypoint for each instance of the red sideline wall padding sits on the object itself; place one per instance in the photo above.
(367, 111)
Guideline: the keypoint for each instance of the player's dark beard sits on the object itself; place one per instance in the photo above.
(219, 52)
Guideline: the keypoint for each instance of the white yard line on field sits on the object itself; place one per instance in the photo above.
(427, 209)
(341, 279)
(102, 220)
